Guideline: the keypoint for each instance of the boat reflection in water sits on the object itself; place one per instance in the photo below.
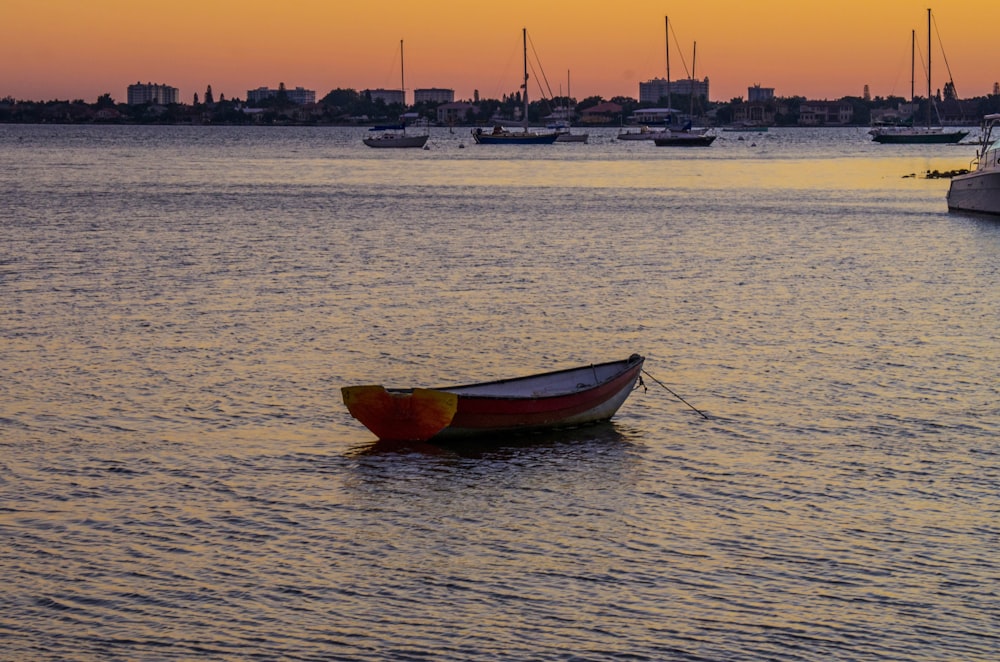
(601, 438)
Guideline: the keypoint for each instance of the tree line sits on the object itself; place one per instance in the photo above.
(350, 107)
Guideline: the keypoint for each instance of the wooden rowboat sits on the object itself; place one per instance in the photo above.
(564, 398)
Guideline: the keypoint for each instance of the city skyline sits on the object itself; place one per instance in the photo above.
(69, 50)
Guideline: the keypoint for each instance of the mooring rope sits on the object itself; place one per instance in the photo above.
(672, 393)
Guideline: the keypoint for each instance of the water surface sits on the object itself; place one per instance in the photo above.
(180, 478)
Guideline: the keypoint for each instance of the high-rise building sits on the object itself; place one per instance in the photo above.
(433, 95)
(388, 97)
(758, 94)
(141, 93)
(299, 95)
(658, 88)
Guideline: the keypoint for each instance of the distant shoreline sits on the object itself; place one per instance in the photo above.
(349, 125)
(354, 110)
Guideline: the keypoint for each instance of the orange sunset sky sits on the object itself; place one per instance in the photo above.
(80, 49)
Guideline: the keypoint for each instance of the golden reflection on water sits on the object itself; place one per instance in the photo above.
(666, 173)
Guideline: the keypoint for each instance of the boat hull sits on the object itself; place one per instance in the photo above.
(565, 398)
(919, 137)
(975, 192)
(979, 190)
(483, 138)
(685, 141)
(641, 135)
(413, 416)
(572, 137)
(396, 141)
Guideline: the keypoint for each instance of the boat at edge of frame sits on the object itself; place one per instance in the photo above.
(979, 190)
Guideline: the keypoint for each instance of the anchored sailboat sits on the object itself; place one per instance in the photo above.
(565, 135)
(394, 135)
(670, 136)
(501, 136)
(915, 134)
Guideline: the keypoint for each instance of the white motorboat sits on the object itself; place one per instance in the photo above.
(979, 190)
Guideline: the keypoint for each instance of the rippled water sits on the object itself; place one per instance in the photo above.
(179, 478)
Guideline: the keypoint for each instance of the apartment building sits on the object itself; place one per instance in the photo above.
(433, 95)
(658, 88)
(141, 93)
(299, 95)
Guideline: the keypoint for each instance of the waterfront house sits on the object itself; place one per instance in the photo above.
(458, 112)
(825, 113)
(606, 112)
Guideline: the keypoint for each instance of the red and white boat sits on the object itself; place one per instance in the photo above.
(551, 400)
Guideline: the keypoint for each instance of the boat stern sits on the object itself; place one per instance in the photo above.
(415, 415)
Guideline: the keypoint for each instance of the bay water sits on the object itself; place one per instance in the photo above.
(179, 478)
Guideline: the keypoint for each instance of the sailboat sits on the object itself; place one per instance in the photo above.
(682, 134)
(501, 136)
(914, 134)
(394, 135)
(645, 133)
(562, 128)
(686, 136)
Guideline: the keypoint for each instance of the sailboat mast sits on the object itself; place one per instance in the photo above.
(928, 67)
(402, 76)
(569, 101)
(666, 27)
(913, 61)
(524, 38)
(694, 55)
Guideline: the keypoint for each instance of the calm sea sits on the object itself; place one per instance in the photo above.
(180, 479)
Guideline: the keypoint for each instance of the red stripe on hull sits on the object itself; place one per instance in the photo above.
(481, 415)
(503, 406)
